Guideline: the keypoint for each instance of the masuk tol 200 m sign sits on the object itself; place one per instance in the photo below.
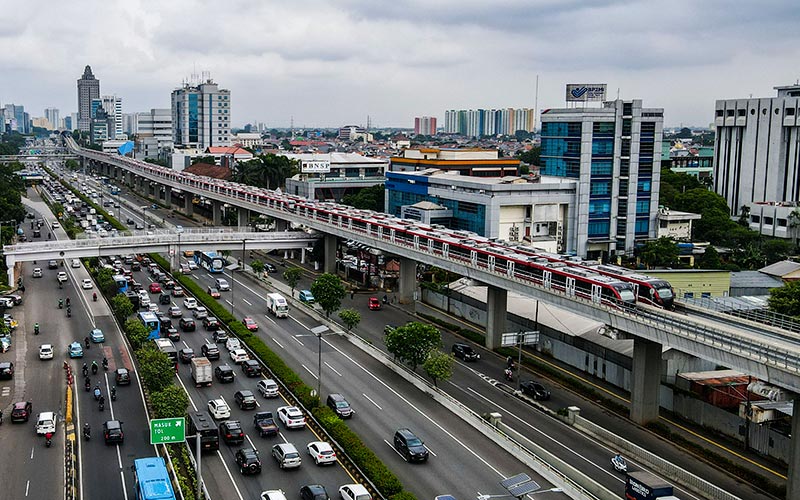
(582, 92)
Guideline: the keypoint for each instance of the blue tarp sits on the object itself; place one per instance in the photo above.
(125, 148)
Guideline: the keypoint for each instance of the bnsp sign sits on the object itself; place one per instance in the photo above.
(315, 167)
(583, 92)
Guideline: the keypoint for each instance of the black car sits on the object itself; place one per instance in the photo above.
(251, 368)
(465, 352)
(164, 298)
(265, 424)
(248, 462)
(21, 411)
(173, 334)
(187, 324)
(164, 320)
(245, 399)
(211, 323)
(186, 354)
(338, 404)
(313, 492)
(231, 432)
(410, 446)
(224, 373)
(535, 390)
(135, 266)
(220, 336)
(129, 221)
(6, 370)
(210, 351)
(269, 268)
(112, 432)
(52, 264)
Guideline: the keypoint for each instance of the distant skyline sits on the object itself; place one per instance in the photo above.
(333, 63)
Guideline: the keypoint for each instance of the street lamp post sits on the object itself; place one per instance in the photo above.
(318, 331)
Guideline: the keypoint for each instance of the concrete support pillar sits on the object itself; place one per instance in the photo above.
(243, 217)
(496, 306)
(302, 255)
(408, 280)
(11, 262)
(129, 178)
(793, 482)
(168, 196)
(281, 225)
(188, 206)
(646, 380)
(216, 211)
(329, 266)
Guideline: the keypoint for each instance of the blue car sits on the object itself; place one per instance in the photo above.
(306, 296)
(75, 350)
(97, 335)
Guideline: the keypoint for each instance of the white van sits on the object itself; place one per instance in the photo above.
(46, 422)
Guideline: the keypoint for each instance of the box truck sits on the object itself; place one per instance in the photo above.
(277, 305)
(201, 371)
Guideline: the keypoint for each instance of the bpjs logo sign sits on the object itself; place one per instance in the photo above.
(586, 92)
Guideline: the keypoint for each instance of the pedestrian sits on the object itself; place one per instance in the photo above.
(352, 294)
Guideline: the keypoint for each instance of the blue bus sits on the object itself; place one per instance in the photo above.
(151, 479)
(122, 283)
(211, 261)
(150, 320)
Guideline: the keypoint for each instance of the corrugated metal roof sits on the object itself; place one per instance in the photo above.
(781, 268)
(754, 279)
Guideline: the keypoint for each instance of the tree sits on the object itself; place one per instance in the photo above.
(775, 250)
(412, 342)
(328, 292)
(72, 164)
(170, 402)
(210, 160)
(122, 306)
(662, 252)
(155, 368)
(105, 281)
(257, 266)
(532, 156)
(136, 332)
(370, 198)
(710, 259)
(438, 366)
(292, 277)
(266, 170)
(786, 299)
(744, 216)
(350, 317)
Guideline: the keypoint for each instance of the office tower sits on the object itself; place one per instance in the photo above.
(479, 122)
(99, 126)
(425, 125)
(88, 89)
(153, 133)
(68, 122)
(614, 154)
(17, 120)
(757, 150)
(201, 115)
(113, 106)
(53, 117)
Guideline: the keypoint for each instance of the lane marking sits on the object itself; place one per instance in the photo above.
(247, 302)
(332, 369)
(298, 322)
(309, 371)
(279, 344)
(235, 486)
(371, 401)
(298, 340)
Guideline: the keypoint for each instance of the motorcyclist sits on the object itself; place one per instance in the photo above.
(48, 438)
(85, 370)
(105, 364)
(113, 393)
(68, 304)
(36, 328)
(69, 312)
(510, 363)
(88, 384)
(60, 303)
(87, 430)
(86, 342)
(94, 296)
(94, 367)
(97, 392)
(508, 373)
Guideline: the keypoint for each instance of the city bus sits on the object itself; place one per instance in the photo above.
(122, 283)
(210, 261)
(201, 423)
(151, 479)
(150, 320)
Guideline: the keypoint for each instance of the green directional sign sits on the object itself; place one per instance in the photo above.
(167, 430)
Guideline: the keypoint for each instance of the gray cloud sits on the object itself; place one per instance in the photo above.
(327, 63)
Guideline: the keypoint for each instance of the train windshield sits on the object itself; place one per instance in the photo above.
(626, 294)
(664, 290)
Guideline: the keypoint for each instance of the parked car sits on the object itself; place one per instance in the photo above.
(535, 390)
(465, 352)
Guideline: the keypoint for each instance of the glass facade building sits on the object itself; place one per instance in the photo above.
(614, 154)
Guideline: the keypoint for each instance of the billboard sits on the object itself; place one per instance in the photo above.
(584, 92)
(315, 167)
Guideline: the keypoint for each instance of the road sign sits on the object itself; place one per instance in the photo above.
(167, 430)
(524, 338)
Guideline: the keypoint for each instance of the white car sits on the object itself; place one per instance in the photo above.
(76, 263)
(273, 495)
(56, 225)
(87, 284)
(354, 492)
(200, 312)
(239, 356)
(321, 452)
(46, 422)
(292, 417)
(232, 344)
(37, 272)
(46, 351)
(62, 276)
(153, 307)
(144, 299)
(192, 265)
(267, 388)
(218, 409)
(189, 303)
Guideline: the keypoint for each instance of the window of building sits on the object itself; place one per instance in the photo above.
(600, 207)
(603, 129)
(688, 295)
(598, 228)
(741, 112)
(643, 186)
(789, 111)
(755, 219)
(663, 224)
(600, 188)
(729, 113)
(627, 108)
(768, 220)
(781, 222)
(642, 206)
(720, 113)
(642, 226)
(602, 147)
(601, 167)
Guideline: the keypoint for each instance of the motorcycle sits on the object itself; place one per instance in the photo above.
(619, 463)
(508, 374)
(94, 297)
(97, 393)
(102, 405)
(87, 343)
(69, 312)
(36, 329)
(113, 393)
(87, 385)
(48, 439)
(87, 431)
(105, 364)
(60, 303)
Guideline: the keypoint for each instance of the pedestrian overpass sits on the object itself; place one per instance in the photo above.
(157, 241)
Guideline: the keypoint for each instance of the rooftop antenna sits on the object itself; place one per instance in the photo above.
(618, 93)
(536, 104)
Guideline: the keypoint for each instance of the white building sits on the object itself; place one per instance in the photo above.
(757, 158)
(331, 176)
(54, 117)
(248, 139)
(675, 225)
(113, 106)
(201, 115)
(153, 133)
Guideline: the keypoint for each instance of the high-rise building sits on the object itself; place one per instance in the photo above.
(88, 89)
(68, 122)
(201, 115)
(757, 150)
(614, 152)
(17, 119)
(153, 133)
(113, 106)
(478, 122)
(425, 125)
(53, 117)
(99, 126)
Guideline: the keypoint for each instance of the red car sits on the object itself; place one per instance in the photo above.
(155, 288)
(250, 324)
(374, 304)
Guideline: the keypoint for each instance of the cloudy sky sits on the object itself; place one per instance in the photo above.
(331, 63)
